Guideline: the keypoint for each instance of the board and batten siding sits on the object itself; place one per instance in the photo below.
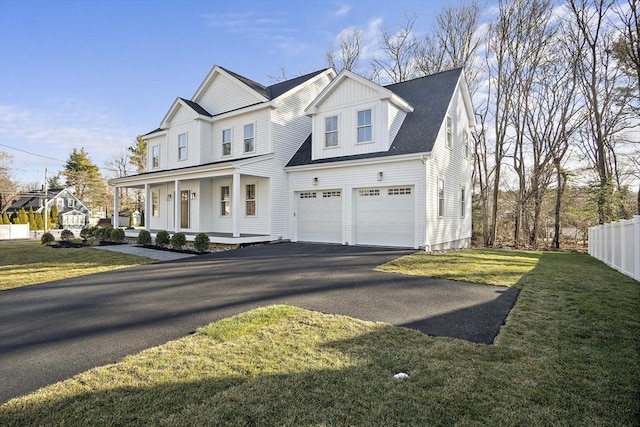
(225, 93)
(352, 177)
(451, 230)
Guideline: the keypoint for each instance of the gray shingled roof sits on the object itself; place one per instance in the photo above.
(429, 96)
(197, 108)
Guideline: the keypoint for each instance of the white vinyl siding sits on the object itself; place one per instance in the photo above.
(226, 94)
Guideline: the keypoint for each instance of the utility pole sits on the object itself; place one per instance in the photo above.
(46, 213)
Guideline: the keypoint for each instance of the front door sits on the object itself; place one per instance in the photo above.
(184, 209)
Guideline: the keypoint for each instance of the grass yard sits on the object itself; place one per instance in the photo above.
(568, 355)
(28, 263)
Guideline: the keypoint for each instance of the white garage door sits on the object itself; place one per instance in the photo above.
(319, 216)
(385, 216)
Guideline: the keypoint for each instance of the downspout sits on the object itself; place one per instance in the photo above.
(427, 244)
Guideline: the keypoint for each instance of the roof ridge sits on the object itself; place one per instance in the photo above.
(425, 76)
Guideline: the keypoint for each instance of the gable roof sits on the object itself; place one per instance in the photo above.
(33, 199)
(430, 97)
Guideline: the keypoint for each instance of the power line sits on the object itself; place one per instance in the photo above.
(33, 154)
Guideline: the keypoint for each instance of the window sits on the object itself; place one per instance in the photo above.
(71, 202)
(226, 142)
(331, 131)
(399, 191)
(249, 145)
(155, 156)
(60, 203)
(466, 144)
(462, 203)
(155, 204)
(440, 197)
(369, 193)
(182, 146)
(250, 200)
(225, 197)
(449, 133)
(329, 194)
(308, 195)
(364, 126)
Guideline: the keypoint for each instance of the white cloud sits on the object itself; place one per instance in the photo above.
(342, 10)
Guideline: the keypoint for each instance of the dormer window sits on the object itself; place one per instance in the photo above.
(331, 131)
(155, 156)
(364, 126)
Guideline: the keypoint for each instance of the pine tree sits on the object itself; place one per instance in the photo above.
(2, 219)
(5, 218)
(54, 217)
(85, 178)
(32, 219)
(39, 220)
(22, 217)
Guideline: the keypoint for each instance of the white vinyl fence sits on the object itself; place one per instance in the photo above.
(14, 231)
(617, 244)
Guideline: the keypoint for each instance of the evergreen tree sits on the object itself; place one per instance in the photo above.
(54, 217)
(85, 178)
(2, 219)
(32, 219)
(22, 217)
(39, 220)
(5, 218)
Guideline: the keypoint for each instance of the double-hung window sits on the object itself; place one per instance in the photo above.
(225, 207)
(155, 204)
(249, 138)
(226, 142)
(155, 156)
(463, 202)
(440, 197)
(466, 144)
(364, 126)
(250, 200)
(449, 132)
(331, 131)
(182, 146)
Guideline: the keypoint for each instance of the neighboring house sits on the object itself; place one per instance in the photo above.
(319, 158)
(72, 214)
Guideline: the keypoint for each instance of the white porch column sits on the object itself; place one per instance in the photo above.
(235, 204)
(116, 203)
(176, 206)
(147, 206)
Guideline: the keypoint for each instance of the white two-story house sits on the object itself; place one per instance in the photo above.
(320, 158)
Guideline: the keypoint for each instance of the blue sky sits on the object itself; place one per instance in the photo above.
(95, 74)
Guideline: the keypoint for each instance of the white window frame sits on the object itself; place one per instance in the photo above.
(250, 204)
(463, 202)
(183, 144)
(225, 200)
(449, 132)
(155, 156)
(226, 143)
(466, 144)
(249, 139)
(440, 198)
(155, 204)
(331, 133)
(364, 126)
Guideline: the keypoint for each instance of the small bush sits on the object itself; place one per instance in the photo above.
(144, 238)
(105, 233)
(85, 233)
(201, 242)
(67, 235)
(162, 238)
(117, 235)
(47, 238)
(178, 240)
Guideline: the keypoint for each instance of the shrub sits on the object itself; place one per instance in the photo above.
(67, 235)
(117, 235)
(47, 238)
(178, 240)
(201, 242)
(144, 238)
(105, 233)
(162, 238)
(85, 233)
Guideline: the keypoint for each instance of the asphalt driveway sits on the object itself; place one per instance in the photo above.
(51, 332)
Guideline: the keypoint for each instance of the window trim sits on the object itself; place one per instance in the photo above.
(449, 132)
(252, 138)
(441, 198)
(155, 204)
(463, 202)
(155, 156)
(225, 202)
(332, 131)
(364, 126)
(465, 136)
(186, 147)
(227, 143)
(250, 201)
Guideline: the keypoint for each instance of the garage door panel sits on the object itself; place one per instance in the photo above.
(319, 216)
(385, 216)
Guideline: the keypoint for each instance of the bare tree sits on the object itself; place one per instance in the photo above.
(347, 54)
(396, 62)
(8, 187)
(119, 165)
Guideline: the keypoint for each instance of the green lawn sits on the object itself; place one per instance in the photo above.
(568, 355)
(28, 263)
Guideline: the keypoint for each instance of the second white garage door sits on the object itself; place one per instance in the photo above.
(385, 216)
(319, 216)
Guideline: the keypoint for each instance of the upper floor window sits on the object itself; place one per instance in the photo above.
(155, 156)
(440, 197)
(449, 132)
(364, 126)
(463, 203)
(225, 207)
(249, 140)
(226, 142)
(182, 146)
(331, 131)
(250, 200)
(466, 144)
